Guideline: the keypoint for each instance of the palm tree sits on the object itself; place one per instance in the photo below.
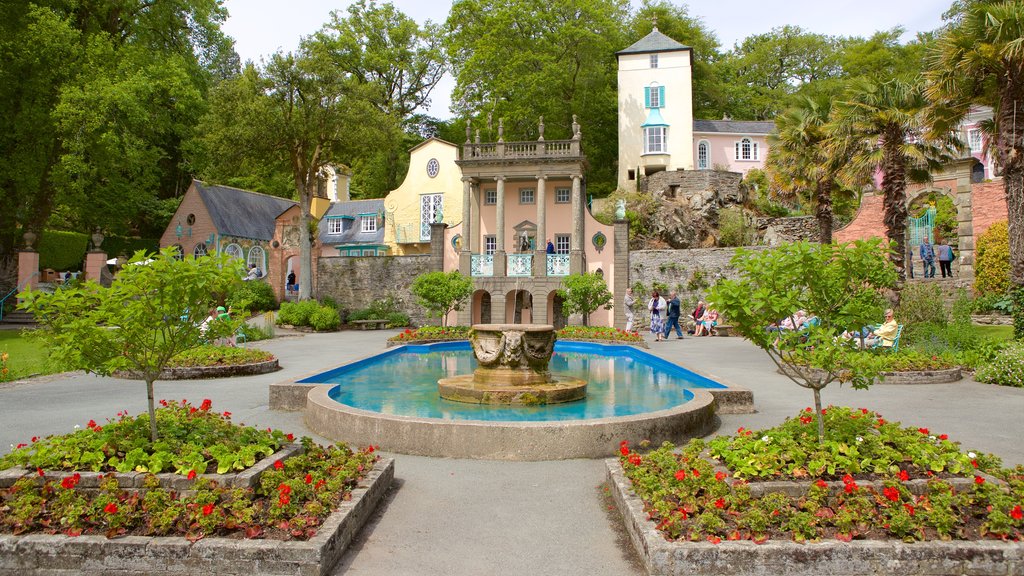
(879, 127)
(979, 59)
(798, 160)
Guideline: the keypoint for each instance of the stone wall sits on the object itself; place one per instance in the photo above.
(690, 272)
(775, 231)
(355, 282)
(696, 187)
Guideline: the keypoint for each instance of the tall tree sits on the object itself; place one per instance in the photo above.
(799, 162)
(880, 127)
(398, 61)
(517, 61)
(979, 59)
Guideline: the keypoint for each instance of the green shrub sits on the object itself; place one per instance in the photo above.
(324, 318)
(117, 245)
(329, 302)
(378, 310)
(256, 333)
(357, 315)
(921, 304)
(1006, 369)
(734, 229)
(218, 356)
(398, 320)
(255, 296)
(992, 261)
(62, 250)
(297, 313)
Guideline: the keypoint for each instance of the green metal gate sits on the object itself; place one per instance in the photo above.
(922, 228)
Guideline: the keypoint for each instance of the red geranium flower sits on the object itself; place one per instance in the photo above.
(68, 482)
(695, 472)
(863, 410)
(370, 449)
(97, 429)
(850, 488)
(979, 480)
(21, 445)
(283, 500)
(206, 405)
(821, 483)
(227, 414)
(110, 508)
(191, 475)
(284, 489)
(714, 539)
(904, 476)
(720, 503)
(719, 476)
(290, 436)
(35, 438)
(909, 508)
(309, 478)
(624, 450)
(40, 472)
(207, 510)
(91, 424)
(634, 459)
(891, 493)
(278, 465)
(1016, 513)
(923, 431)
(680, 475)
(320, 484)
(847, 479)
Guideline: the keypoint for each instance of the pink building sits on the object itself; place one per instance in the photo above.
(730, 145)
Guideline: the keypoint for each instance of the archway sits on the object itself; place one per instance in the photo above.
(292, 265)
(519, 307)
(556, 317)
(480, 312)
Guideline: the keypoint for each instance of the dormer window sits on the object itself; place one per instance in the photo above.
(368, 223)
(334, 225)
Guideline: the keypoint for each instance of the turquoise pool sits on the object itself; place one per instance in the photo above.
(623, 381)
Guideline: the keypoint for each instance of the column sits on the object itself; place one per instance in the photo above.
(465, 255)
(500, 263)
(540, 257)
(621, 270)
(576, 240)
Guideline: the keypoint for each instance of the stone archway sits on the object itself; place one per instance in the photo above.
(556, 317)
(519, 307)
(481, 307)
(955, 185)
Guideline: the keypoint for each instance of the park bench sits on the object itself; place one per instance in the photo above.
(370, 324)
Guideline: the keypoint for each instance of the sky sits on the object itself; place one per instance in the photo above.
(261, 27)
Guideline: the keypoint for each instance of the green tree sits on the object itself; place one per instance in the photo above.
(881, 126)
(838, 284)
(518, 61)
(151, 313)
(584, 293)
(979, 59)
(441, 293)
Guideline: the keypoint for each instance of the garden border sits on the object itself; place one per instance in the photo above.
(778, 558)
(169, 555)
(200, 372)
(940, 376)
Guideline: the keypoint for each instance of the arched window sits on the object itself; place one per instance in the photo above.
(234, 251)
(257, 258)
(200, 250)
(179, 252)
(703, 155)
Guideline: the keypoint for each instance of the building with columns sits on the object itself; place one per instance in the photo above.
(516, 197)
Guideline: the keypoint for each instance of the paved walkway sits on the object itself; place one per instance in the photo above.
(447, 516)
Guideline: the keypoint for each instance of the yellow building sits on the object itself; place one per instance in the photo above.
(431, 192)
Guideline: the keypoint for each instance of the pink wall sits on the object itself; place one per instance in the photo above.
(559, 216)
(723, 151)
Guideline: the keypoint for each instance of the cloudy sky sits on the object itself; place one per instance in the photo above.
(261, 27)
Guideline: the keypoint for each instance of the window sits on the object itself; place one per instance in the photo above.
(654, 96)
(490, 196)
(490, 244)
(179, 252)
(561, 243)
(334, 225)
(257, 258)
(199, 251)
(654, 140)
(526, 195)
(631, 174)
(368, 223)
(233, 251)
(703, 155)
(430, 212)
(974, 139)
(746, 149)
(654, 60)
(370, 252)
(562, 195)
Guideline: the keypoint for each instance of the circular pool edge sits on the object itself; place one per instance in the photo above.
(529, 441)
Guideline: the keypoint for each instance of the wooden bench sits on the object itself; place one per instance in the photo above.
(370, 324)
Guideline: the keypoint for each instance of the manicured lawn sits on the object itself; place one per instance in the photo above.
(997, 332)
(25, 357)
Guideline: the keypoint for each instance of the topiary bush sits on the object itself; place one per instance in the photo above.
(254, 296)
(1006, 369)
(992, 261)
(324, 318)
(62, 250)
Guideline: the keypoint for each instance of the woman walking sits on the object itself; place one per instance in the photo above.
(656, 306)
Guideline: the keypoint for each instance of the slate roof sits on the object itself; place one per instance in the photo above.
(353, 235)
(653, 42)
(241, 213)
(734, 126)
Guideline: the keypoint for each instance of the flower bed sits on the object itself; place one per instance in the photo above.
(600, 334)
(213, 362)
(857, 485)
(427, 334)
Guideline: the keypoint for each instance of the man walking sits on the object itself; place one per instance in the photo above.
(928, 258)
(944, 253)
(673, 315)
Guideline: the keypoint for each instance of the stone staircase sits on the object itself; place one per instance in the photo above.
(949, 287)
(17, 319)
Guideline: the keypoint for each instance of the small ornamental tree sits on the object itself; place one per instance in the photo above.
(584, 293)
(151, 313)
(841, 285)
(441, 293)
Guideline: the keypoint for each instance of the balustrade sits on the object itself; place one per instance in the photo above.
(520, 265)
(481, 265)
(558, 264)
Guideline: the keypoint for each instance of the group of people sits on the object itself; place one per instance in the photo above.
(665, 315)
(929, 254)
(883, 335)
(219, 313)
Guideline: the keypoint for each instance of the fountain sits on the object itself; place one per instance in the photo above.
(512, 369)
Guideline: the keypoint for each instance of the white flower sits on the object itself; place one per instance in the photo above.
(77, 426)
(859, 439)
(933, 438)
(972, 455)
(765, 439)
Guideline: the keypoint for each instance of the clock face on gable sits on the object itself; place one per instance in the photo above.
(433, 167)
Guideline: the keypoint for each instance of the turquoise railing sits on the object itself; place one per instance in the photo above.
(3, 301)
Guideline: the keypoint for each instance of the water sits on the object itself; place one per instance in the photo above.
(622, 381)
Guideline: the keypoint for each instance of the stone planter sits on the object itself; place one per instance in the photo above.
(40, 554)
(941, 376)
(198, 372)
(785, 558)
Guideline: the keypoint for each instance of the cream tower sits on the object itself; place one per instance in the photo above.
(655, 108)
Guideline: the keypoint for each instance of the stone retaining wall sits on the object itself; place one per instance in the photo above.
(942, 376)
(691, 272)
(356, 282)
(779, 558)
(199, 372)
(52, 555)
